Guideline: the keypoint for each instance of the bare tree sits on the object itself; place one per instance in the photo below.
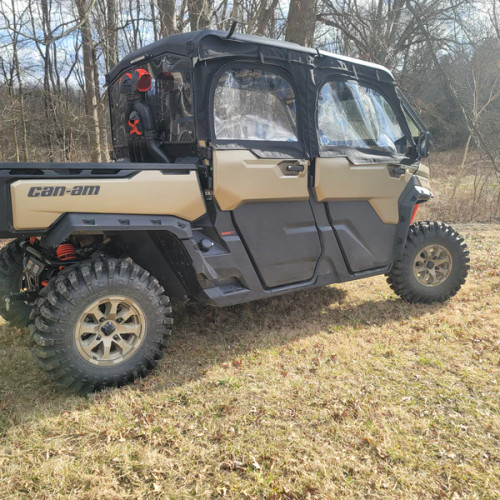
(301, 22)
(168, 25)
(90, 72)
(17, 94)
(264, 16)
(200, 13)
(111, 39)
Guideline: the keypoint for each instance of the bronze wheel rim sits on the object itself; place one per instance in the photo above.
(432, 265)
(110, 330)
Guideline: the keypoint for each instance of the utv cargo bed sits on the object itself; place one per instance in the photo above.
(34, 195)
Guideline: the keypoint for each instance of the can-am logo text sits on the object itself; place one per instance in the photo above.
(36, 191)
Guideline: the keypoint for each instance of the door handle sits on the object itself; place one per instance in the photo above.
(399, 169)
(295, 167)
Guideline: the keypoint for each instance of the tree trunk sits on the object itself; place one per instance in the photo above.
(167, 17)
(47, 105)
(301, 22)
(15, 61)
(90, 70)
(13, 120)
(199, 14)
(111, 45)
(101, 109)
(47, 95)
(264, 15)
(154, 24)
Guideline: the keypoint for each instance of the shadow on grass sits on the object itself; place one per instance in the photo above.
(202, 338)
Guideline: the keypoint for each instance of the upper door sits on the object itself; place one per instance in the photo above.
(261, 174)
(361, 170)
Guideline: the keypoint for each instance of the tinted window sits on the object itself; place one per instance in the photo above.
(169, 99)
(251, 104)
(350, 114)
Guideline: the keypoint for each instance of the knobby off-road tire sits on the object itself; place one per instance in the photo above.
(100, 324)
(433, 266)
(11, 279)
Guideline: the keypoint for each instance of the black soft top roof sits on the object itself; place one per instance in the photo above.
(211, 44)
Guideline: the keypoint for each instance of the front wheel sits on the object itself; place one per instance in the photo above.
(100, 324)
(433, 266)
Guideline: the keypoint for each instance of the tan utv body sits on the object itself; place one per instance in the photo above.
(244, 168)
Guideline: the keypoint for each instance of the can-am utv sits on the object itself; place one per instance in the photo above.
(245, 168)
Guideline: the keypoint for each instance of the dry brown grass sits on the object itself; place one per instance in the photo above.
(339, 392)
(468, 194)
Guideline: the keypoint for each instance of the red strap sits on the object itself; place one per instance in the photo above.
(133, 127)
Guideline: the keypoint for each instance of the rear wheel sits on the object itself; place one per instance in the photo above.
(433, 266)
(100, 324)
(11, 281)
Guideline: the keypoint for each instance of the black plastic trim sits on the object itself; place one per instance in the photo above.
(88, 169)
(78, 222)
(75, 223)
(411, 195)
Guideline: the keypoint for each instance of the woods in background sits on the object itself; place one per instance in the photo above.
(54, 54)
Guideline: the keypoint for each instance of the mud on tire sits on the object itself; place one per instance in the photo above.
(57, 324)
(11, 274)
(407, 279)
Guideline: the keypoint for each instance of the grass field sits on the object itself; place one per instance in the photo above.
(339, 392)
(463, 193)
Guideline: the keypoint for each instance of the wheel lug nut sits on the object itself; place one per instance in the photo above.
(98, 337)
(116, 337)
(101, 320)
(119, 320)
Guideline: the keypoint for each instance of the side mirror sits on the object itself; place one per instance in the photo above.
(423, 144)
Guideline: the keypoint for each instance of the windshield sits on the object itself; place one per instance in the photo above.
(350, 114)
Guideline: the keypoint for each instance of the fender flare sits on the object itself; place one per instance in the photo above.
(411, 195)
(71, 223)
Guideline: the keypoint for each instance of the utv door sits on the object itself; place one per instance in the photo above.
(261, 174)
(360, 172)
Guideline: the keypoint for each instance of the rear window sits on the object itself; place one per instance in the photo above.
(350, 114)
(169, 98)
(254, 105)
